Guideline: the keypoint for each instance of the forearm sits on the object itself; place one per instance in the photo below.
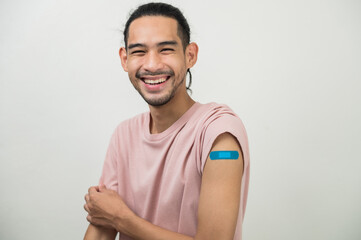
(140, 229)
(99, 233)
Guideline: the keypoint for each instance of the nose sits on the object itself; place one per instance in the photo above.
(152, 62)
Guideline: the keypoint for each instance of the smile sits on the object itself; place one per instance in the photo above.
(154, 81)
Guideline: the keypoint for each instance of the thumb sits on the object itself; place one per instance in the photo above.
(102, 187)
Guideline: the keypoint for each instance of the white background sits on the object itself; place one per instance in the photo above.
(290, 69)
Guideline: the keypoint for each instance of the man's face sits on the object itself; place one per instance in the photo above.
(155, 59)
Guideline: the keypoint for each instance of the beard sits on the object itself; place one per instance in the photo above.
(158, 101)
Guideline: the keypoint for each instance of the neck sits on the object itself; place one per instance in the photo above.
(162, 117)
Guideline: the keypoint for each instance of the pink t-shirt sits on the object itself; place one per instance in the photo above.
(159, 175)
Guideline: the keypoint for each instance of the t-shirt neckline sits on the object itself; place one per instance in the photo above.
(177, 124)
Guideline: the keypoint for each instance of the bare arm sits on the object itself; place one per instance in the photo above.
(99, 233)
(220, 193)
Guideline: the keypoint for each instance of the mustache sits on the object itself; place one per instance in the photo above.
(149, 73)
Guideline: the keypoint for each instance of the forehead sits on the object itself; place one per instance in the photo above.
(153, 29)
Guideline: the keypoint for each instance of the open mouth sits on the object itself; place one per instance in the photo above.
(154, 80)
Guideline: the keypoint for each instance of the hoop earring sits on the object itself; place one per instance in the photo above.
(190, 81)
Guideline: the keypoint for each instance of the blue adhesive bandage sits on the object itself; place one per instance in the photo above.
(232, 155)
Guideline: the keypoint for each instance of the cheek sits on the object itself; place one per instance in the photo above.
(177, 64)
(133, 66)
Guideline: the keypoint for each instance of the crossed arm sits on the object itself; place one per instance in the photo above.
(217, 210)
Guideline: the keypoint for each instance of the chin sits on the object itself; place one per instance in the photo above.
(158, 101)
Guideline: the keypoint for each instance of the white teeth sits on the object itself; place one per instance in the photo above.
(155, 81)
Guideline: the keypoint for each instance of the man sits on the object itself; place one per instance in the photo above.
(181, 170)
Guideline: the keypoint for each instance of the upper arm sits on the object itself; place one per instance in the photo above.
(220, 192)
(99, 233)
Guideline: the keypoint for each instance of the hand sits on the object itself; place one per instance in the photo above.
(106, 208)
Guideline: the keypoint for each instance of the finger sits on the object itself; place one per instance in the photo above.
(93, 220)
(86, 197)
(93, 189)
(86, 208)
(102, 188)
(89, 218)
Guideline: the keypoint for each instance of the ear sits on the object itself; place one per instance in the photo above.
(191, 54)
(123, 58)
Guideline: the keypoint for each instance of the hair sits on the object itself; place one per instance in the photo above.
(166, 10)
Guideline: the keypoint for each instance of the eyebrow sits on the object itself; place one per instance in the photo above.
(167, 43)
(134, 45)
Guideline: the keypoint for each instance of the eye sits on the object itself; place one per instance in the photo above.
(138, 52)
(167, 50)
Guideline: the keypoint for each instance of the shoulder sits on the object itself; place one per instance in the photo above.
(212, 111)
(133, 122)
(130, 127)
(219, 118)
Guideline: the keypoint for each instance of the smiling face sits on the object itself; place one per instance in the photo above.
(155, 59)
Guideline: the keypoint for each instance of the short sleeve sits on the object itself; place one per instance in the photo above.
(109, 176)
(225, 123)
